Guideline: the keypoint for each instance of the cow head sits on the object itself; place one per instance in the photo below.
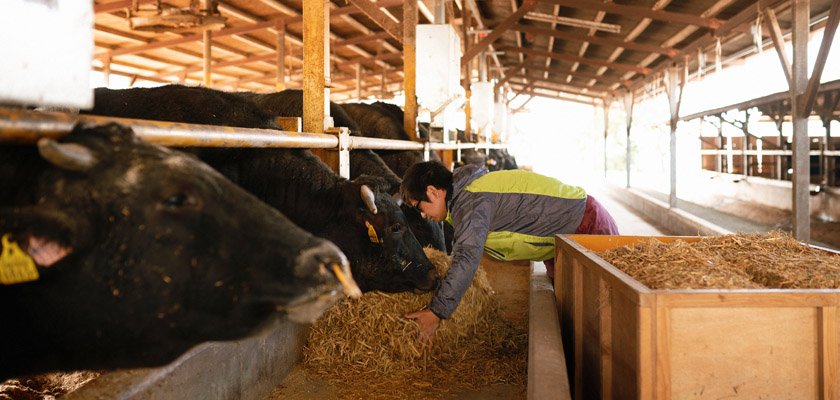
(393, 260)
(428, 233)
(142, 252)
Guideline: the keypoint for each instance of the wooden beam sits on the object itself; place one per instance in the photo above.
(603, 90)
(581, 75)
(641, 12)
(410, 67)
(362, 39)
(384, 56)
(668, 51)
(314, 78)
(582, 60)
(828, 36)
(778, 42)
(497, 31)
(280, 82)
(380, 18)
(801, 143)
(511, 72)
(557, 89)
(117, 6)
(208, 72)
(242, 29)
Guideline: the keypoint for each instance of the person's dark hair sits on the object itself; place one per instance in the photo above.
(423, 174)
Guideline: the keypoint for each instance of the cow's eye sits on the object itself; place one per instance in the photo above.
(396, 228)
(175, 201)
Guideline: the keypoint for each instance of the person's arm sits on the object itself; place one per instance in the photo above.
(471, 227)
(472, 222)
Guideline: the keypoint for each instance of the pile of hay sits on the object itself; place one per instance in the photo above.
(45, 387)
(739, 261)
(368, 349)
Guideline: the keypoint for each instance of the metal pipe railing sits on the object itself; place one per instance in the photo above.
(26, 127)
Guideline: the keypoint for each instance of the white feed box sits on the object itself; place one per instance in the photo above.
(47, 48)
(481, 103)
(438, 50)
(500, 121)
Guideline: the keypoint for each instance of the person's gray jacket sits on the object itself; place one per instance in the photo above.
(512, 214)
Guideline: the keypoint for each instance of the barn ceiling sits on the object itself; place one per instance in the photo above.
(580, 50)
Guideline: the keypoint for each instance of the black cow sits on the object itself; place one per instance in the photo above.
(289, 103)
(385, 121)
(120, 254)
(298, 184)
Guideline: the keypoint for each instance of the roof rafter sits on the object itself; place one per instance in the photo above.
(641, 12)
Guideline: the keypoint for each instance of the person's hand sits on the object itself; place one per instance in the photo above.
(428, 322)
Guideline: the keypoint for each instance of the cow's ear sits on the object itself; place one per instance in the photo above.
(41, 250)
(46, 236)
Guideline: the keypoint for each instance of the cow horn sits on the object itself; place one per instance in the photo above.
(71, 156)
(367, 197)
(397, 198)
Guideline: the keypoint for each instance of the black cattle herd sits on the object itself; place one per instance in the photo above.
(117, 253)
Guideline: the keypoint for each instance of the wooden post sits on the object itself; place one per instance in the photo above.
(606, 129)
(106, 70)
(315, 64)
(674, 98)
(409, 67)
(208, 38)
(628, 107)
(359, 81)
(801, 145)
(281, 55)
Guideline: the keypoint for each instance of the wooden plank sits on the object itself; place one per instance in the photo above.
(280, 81)
(793, 298)
(577, 304)
(778, 42)
(207, 57)
(749, 353)
(497, 31)
(828, 36)
(380, 18)
(647, 365)
(641, 12)
(582, 60)
(668, 51)
(605, 314)
(626, 330)
(828, 352)
(662, 360)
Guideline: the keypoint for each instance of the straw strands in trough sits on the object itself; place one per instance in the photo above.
(739, 261)
(368, 349)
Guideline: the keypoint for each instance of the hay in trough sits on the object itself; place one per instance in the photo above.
(368, 349)
(738, 261)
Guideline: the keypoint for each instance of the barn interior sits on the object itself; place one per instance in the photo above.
(464, 71)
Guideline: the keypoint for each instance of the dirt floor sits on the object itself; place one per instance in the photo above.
(510, 282)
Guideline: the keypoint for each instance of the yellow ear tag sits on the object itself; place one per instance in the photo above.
(15, 265)
(372, 233)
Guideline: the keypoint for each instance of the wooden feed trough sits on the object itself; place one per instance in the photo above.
(624, 340)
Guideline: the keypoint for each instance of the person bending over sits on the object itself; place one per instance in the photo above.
(511, 214)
